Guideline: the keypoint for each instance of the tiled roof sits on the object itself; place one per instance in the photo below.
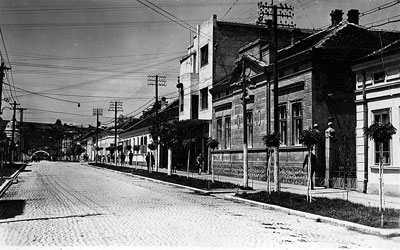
(392, 47)
(343, 37)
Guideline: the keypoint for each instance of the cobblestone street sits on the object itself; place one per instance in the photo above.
(69, 204)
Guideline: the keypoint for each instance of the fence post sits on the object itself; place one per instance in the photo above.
(329, 134)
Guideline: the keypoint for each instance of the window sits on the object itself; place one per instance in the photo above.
(382, 116)
(204, 55)
(283, 124)
(250, 129)
(379, 77)
(204, 98)
(228, 132)
(219, 130)
(297, 122)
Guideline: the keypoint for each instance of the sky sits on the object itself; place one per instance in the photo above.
(70, 57)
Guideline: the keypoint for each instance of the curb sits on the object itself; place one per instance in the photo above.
(9, 181)
(386, 233)
(196, 190)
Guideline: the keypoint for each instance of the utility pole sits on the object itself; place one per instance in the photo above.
(21, 132)
(3, 68)
(245, 146)
(157, 80)
(12, 148)
(286, 12)
(97, 112)
(246, 86)
(115, 106)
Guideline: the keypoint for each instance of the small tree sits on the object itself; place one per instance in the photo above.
(380, 133)
(213, 144)
(188, 143)
(168, 135)
(308, 138)
(270, 141)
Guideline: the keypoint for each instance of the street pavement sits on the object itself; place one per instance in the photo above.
(70, 204)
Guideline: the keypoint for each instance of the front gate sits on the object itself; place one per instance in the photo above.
(344, 170)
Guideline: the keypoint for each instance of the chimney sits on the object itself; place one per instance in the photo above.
(336, 16)
(353, 16)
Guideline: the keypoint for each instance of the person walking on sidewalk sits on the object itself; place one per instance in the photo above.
(122, 159)
(130, 157)
(153, 162)
(148, 160)
(199, 161)
(313, 167)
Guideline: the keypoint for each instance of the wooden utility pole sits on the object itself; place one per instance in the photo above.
(97, 113)
(115, 106)
(21, 133)
(245, 146)
(12, 147)
(286, 12)
(157, 80)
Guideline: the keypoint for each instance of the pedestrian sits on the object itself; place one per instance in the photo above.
(152, 161)
(148, 160)
(199, 161)
(122, 159)
(313, 167)
(130, 157)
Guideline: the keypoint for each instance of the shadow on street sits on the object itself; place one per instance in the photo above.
(11, 208)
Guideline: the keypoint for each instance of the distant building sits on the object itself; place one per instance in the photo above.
(138, 133)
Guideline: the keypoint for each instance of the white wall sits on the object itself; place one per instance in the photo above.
(379, 96)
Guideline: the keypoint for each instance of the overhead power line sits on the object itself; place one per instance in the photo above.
(9, 63)
(99, 9)
(229, 9)
(34, 93)
(59, 112)
(172, 17)
(379, 8)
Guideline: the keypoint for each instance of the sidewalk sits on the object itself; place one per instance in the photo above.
(350, 195)
(353, 196)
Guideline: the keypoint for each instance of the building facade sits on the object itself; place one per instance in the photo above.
(210, 58)
(316, 86)
(378, 100)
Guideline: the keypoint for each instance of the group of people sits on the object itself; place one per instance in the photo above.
(150, 161)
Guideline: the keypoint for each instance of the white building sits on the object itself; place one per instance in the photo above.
(379, 74)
